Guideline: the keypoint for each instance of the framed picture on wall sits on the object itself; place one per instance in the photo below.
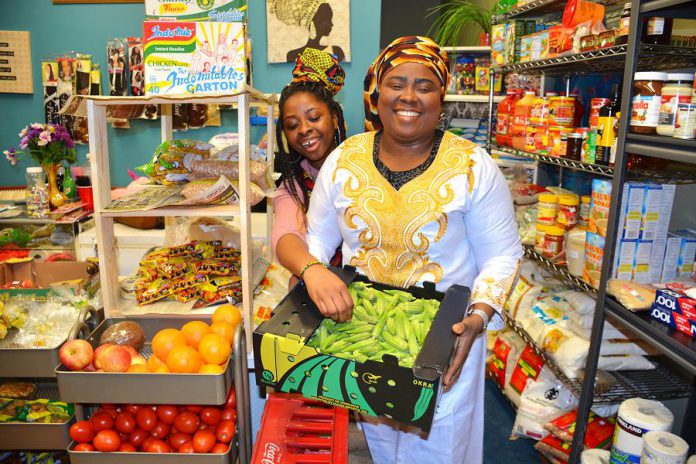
(96, 1)
(294, 25)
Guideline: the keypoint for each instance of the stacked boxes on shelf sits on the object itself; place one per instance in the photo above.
(644, 218)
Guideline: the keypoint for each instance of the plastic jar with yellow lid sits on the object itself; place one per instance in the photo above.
(568, 206)
(547, 209)
(553, 241)
(539, 237)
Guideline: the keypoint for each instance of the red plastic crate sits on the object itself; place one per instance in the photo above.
(295, 430)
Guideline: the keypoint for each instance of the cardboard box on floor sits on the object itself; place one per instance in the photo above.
(42, 276)
(282, 359)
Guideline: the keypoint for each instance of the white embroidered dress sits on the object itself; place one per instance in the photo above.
(453, 224)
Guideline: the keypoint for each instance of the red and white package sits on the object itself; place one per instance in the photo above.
(598, 435)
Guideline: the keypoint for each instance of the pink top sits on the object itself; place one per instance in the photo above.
(287, 215)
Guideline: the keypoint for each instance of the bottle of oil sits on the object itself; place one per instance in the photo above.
(606, 127)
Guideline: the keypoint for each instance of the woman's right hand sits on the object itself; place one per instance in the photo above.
(329, 293)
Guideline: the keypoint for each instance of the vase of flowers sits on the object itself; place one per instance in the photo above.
(49, 145)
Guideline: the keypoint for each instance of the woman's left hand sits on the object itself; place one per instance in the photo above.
(467, 330)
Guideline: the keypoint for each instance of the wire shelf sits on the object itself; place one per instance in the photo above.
(562, 162)
(44, 390)
(653, 57)
(659, 383)
(538, 8)
(560, 272)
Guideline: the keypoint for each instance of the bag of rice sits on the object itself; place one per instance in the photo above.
(541, 402)
(508, 345)
(623, 363)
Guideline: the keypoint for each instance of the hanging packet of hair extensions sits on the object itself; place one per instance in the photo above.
(118, 72)
(49, 79)
(95, 80)
(66, 75)
(135, 66)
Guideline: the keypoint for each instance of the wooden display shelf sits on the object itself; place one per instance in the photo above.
(101, 178)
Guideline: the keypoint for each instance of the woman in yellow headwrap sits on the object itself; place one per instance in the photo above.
(410, 204)
(310, 126)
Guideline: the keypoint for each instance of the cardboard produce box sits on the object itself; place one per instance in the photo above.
(38, 277)
(283, 360)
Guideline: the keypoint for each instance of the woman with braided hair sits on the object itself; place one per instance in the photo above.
(310, 126)
(410, 203)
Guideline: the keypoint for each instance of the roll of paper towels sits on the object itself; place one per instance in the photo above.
(692, 460)
(594, 456)
(635, 418)
(663, 448)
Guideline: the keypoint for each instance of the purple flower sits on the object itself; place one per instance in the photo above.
(24, 143)
(11, 156)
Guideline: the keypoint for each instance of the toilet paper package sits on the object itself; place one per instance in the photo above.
(663, 448)
(636, 417)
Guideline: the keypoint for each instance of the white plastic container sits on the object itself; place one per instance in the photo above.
(575, 251)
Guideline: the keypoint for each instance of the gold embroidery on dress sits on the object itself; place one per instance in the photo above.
(494, 291)
(394, 250)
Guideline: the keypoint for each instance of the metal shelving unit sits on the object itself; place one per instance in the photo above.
(562, 162)
(660, 383)
(450, 97)
(669, 343)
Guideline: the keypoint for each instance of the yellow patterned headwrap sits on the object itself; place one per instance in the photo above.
(318, 66)
(410, 49)
(295, 12)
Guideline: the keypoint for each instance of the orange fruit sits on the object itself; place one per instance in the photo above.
(163, 369)
(138, 368)
(214, 349)
(193, 332)
(224, 330)
(165, 340)
(153, 363)
(228, 313)
(211, 369)
(184, 360)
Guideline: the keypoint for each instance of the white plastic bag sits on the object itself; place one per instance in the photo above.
(541, 402)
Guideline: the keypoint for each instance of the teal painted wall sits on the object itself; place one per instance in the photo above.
(57, 29)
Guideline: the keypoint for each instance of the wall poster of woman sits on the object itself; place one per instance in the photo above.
(294, 25)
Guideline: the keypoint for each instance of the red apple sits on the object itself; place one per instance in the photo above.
(138, 359)
(76, 354)
(115, 359)
(90, 367)
(131, 350)
(98, 354)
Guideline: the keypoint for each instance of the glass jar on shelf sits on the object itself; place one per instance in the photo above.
(36, 193)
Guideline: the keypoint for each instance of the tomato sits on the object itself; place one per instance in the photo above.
(229, 414)
(107, 441)
(194, 409)
(211, 416)
(167, 414)
(160, 431)
(225, 431)
(132, 408)
(125, 422)
(146, 419)
(231, 399)
(127, 448)
(109, 406)
(187, 422)
(178, 439)
(220, 448)
(110, 411)
(137, 437)
(81, 431)
(158, 446)
(203, 441)
(101, 420)
(84, 447)
(146, 443)
(186, 447)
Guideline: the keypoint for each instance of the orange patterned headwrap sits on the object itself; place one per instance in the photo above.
(410, 49)
(318, 66)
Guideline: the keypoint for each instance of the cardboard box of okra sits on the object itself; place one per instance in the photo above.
(387, 361)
